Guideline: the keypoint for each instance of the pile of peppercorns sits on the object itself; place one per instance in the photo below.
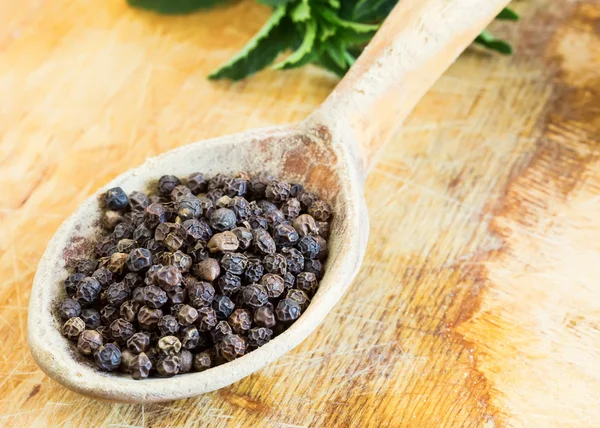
(195, 274)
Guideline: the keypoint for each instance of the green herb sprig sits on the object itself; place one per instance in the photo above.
(328, 33)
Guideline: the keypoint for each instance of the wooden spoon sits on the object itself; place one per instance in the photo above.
(330, 152)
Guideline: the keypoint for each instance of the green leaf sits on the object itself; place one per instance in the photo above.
(174, 7)
(275, 36)
(508, 14)
(328, 63)
(304, 54)
(372, 10)
(357, 27)
(301, 12)
(488, 40)
(274, 3)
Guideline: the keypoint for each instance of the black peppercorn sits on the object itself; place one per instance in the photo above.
(274, 285)
(289, 280)
(169, 345)
(85, 266)
(155, 214)
(309, 247)
(187, 315)
(221, 330)
(148, 318)
(315, 267)
(254, 270)
(200, 293)
(294, 259)
(188, 207)
(123, 231)
(320, 210)
(69, 308)
(223, 242)
(168, 366)
(207, 319)
(121, 330)
(222, 219)
(305, 225)
(142, 234)
(189, 337)
(300, 297)
(89, 342)
(139, 342)
(234, 263)
(240, 207)
(288, 310)
(72, 282)
(324, 250)
(167, 183)
(236, 187)
(306, 199)
(229, 283)
(277, 191)
(126, 358)
(259, 336)
(110, 219)
(307, 282)
(140, 366)
(264, 317)
(223, 306)
(153, 296)
(254, 295)
(263, 242)
(108, 357)
(177, 295)
(138, 201)
(291, 209)
(275, 263)
(258, 222)
(285, 235)
(244, 237)
(116, 199)
(168, 277)
(116, 294)
(91, 318)
(73, 328)
(231, 347)
(240, 321)
(168, 325)
(197, 183)
(179, 192)
(108, 314)
(88, 291)
(104, 277)
(207, 270)
(202, 361)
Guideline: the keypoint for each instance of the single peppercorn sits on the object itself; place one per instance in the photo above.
(69, 308)
(300, 297)
(85, 266)
(309, 247)
(264, 317)
(140, 366)
(72, 282)
(187, 315)
(108, 314)
(221, 330)
(263, 242)
(197, 183)
(305, 225)
(91, 318)
(234, 263)
(275, 263)
(177, 295)
(294, 259)
(169, 345)
(223, 242)
(188, 207)
(121, 330)
(231, 347)
(207, 319)
(274, 285)
(116, 294)
(116, 199)
(88, 291)
(126, 358)
(168, 366)
(142, 234)
(123, 231)
(103, 276)
(254, 270)
(307, 282)
(202, 361)
(288, 310)
(222, 219)
(315, 267)
(153, 296)
(229, 283)
(285, 235)
(89, 341)
(306, 199)
(236, 187)
(111, 218)
(168, 325)
(254, 295)
(168, 277)
(132, 280)
(223, 306)
(116, 263)
(240, 321)
(200, 293)
(108, 357)
(139, 342)
(244, 237)
(179, 192)
(258, 222)
(291, 209)
(320, 210)
(178, 259)
(167, 183)
(73, 328)
(289, 280)
(148, 318)
(154, 215)
(207, 270)
(189, 337)
(138, 201)
(277, 191)
(259, 336)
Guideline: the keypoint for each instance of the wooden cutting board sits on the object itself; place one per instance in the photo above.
(478, 303)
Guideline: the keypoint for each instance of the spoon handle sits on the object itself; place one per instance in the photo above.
(418, 41)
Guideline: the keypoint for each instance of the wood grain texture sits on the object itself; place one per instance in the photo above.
(477, 304)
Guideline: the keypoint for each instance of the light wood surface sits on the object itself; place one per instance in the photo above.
(478, 302)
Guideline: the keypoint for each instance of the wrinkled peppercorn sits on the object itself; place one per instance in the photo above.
(263, 242)
(168, 277)
(69, 308)
(289, 280)
(116, 294)
(307, 282)
(103, 276)
(234, 263)
(116, 263)
(91, 318)
(88, 291)
(153, 296)
(207, 270)
(315, 267)
(177, 295)
(258, 222)
(207, 319)
(254, 295)
(274, 285)
(187, 315)
(288, 310)
(178, 259)
(240, 320)
(229, 283)
(148, 318)
(197, 183)
(285, 235)
(254, 270)
(309, 247)
(259, 336)
(138, 342)
(200, 293)
(300, 297)
(221, 330)
(179, 192)
(202, 361)
(72, 282)
(196, 230)
(291, 209)
(138, 201)
(169, 345)
(168, 325)
(108, 357)
(108, 314)
(89, 341)
(73, 328)
(122, 231)
(222, 219)
(187, 361)
(189, 337)
(140, 366)
(121, 330)
(167, 183)
(231, 347)
(277, 191)
(264, 317)
(223, 306)
(116, 199)
(223, 242)
(275, 263)
(154, 215)
(305, 225)
(169, 366)
(244, 237)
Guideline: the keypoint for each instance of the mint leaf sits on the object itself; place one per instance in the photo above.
(301, 12)
(304, 54)
(174, 7)
(488, 40)
(275, 36)
(508, 14)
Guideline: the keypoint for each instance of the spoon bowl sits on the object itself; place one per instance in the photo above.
(329, 153)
